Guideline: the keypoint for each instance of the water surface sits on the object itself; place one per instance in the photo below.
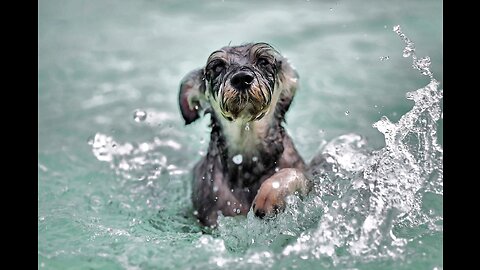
(114, 157)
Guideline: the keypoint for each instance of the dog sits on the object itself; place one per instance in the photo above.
(251, 161)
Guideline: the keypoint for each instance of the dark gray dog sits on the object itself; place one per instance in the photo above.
(251, 160)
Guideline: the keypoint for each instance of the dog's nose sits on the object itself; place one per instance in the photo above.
(242, 80)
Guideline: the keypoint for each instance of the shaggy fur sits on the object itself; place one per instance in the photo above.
(251, 160)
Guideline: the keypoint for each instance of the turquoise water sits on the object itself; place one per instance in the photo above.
(113, 189)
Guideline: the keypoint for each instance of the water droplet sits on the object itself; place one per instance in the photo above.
(139, 116)
(335, 204)
(275, 184)
(124, 165)
(383, 58)
(347, 113)
(247, 126)
(255, 159)
(90, 140)
(228, 203)
(331, 9)
(144, 147)
(237, 159)
(408, 51)
(215, 188)
(423, 64)
(195, 212)
(277, 169)
(238, 210)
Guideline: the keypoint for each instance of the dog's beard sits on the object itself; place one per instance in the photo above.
(251, 104)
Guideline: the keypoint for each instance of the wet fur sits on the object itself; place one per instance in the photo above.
(219, 184)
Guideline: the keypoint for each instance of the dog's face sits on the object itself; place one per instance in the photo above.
(239, 82)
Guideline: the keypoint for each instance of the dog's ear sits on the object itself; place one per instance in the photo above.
(288, 83)
(192, 95)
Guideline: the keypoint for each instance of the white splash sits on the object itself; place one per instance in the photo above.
(140, 161)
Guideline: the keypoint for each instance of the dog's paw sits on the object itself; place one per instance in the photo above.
(270, 199)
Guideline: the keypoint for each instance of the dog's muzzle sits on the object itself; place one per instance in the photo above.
(245, 96)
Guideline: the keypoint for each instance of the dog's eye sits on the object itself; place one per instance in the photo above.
(263, 62)
(216, 69)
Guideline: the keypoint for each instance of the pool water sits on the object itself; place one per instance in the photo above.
(115, 158)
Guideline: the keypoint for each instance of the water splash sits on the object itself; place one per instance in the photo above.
(422, 64)
(409, 49)
(137, 161)
(398, 171)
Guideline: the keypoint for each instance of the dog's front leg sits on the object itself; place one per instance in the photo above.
(270, 198)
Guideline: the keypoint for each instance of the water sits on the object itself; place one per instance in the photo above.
(114, 157)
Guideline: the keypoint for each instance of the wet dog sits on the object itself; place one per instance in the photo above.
(251, 160)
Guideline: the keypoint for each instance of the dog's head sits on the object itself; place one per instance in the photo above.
(239, 82)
